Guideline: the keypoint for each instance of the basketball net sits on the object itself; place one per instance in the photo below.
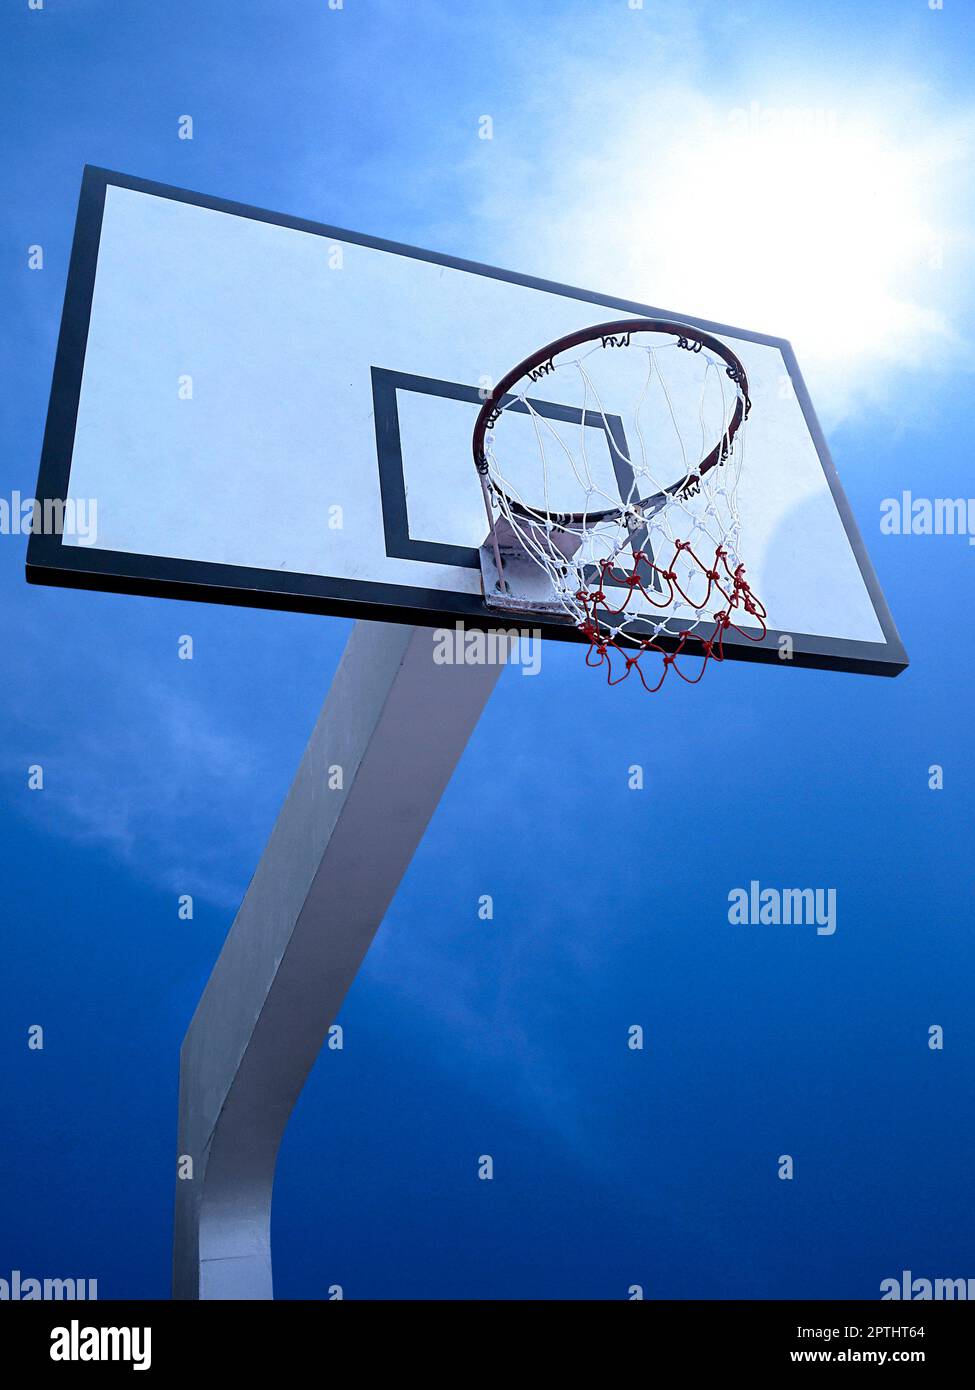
(611, 459)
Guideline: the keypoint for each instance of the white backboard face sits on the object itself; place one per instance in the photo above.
(270, 412)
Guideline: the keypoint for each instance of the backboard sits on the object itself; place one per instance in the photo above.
(271, 412)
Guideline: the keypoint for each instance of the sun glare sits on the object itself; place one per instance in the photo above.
(812, 231)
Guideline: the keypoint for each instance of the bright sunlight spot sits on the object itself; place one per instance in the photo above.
(804, 228)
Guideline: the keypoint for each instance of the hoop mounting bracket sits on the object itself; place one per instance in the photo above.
(522, 586)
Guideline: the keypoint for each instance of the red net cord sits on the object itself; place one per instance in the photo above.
(622, 656)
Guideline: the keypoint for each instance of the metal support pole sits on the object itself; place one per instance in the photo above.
(396, 724)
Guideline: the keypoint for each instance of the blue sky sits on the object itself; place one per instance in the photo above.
(611, 166)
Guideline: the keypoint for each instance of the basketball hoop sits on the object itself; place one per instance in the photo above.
(573, 447)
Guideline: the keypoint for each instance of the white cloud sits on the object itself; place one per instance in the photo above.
(149, 774)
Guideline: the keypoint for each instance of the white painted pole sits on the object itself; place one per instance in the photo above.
(396, 724)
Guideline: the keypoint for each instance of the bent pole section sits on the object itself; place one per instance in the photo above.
(395, 723)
